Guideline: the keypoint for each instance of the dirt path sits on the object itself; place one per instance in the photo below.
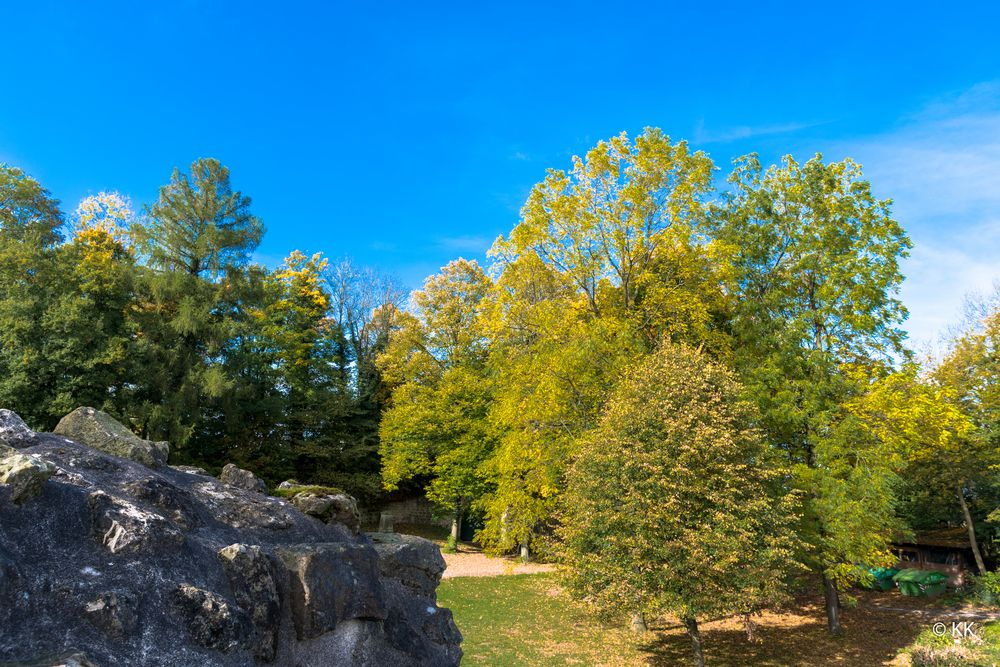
(471, 562)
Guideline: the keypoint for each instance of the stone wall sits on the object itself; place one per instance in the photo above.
(417, 510)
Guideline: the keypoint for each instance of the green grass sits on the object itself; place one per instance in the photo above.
(930, 648)
(525, 619)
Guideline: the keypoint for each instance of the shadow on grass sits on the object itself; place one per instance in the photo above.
(794, 638)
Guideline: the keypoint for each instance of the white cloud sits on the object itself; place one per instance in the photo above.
(726, 135)
(942, 169)
(478, 244)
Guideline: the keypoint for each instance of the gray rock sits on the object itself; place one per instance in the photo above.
(71, 659)
(25, 475)
(242, 479)
(122, 565)
(332, 508)
(192, 470)
(171, 501)
(413, 561)
(112, 613)
(99, 430)
(14, 432)
(319, 602)
(252, 579)
(211, 621)
(245, 509)
(120, 526)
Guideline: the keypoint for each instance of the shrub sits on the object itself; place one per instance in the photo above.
(947, 656)
(985, 588)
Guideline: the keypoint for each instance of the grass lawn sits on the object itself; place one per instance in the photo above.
(525, 620)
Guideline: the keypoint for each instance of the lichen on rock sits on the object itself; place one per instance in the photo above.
(24, 475)
(102, 432)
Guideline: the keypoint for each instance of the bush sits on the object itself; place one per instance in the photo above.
(451, 546)
(985, 588)
(947, 656)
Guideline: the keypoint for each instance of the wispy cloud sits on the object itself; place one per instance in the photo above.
(942, 169)
(702, 135)
(477, 244)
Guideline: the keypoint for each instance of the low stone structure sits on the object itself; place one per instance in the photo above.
(111, 562)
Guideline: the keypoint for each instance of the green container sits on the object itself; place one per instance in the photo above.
(916, 583)
(883, 577)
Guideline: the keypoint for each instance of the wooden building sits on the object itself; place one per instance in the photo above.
(947, 550)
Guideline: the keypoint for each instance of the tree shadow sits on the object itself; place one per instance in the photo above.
(796, 637)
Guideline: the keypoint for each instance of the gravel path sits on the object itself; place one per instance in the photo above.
(474, 563)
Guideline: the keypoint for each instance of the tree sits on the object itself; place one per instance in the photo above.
(436, 428)
(30, 219)
(199, 232)
(969, 376)
(606, 261)
(200, 225)
(366, 305)
(922, 425)
(816, 274)
(674, 503)
(89, 331)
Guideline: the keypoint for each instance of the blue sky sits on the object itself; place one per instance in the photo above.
(406, 134)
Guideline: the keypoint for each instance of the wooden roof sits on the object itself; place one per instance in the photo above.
(954, 538)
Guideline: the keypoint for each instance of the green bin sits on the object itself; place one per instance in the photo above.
(916, 583)
(883, 577)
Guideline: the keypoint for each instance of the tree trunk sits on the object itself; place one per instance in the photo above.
(525, 552)
(751, 628)
(832, 606)
(638, 623)
(456, 526)
(695, 635)
(972, 530)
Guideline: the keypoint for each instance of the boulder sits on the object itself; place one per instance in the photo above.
(192, 470)
(121, 565)
(242, 479)
(338, 508)
(99, 430)
(25, 475)
(14, 432)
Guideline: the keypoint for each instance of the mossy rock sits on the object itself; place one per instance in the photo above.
(290, 492)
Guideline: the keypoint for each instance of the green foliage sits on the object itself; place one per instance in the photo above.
(674, 504)
(606, 261)
(816, 272)
(436, 428)
(166, 324)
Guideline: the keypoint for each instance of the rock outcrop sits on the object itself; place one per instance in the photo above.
(100, 430)
(107, 561)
